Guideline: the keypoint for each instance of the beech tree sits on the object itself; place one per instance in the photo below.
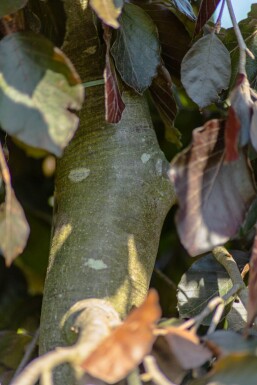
(82, 80)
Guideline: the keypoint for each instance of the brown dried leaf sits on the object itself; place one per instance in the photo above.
(125, 348)
(14, 228)
(214, 196)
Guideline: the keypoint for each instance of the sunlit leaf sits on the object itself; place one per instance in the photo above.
(14, 229)
(204, 280)
(206, 10)
(136, 49)
(11, 6)
(202, 75)
(213, 195)
(114, 105)
(108, 10)
(125, 348)
(39, 89)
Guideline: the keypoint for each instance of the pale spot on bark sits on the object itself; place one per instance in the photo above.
(91, 50)
(95, 264)
(145, 157)
(78, 174)
(158, 167)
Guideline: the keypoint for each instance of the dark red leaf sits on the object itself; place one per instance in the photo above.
(162, 94)
(213, 195)
(206, 10)
(252, 287)
(114, 105)
(232, 130)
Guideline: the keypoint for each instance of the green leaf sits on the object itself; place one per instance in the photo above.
(14, 229)
(205, 70)
(108, 10)
(136, 49)
(236, 369)
(39, 89)
(11, 6)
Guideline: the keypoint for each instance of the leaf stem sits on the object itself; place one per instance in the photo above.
(241, 43)
(228, 262)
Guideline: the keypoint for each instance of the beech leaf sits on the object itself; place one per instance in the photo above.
(206, 10)
(114, 105)
(168, 25)
(11, 6)
(232, 131)
(120, 352)
(108, 11)
(14, 228)
(39, 89)
(136, 49)
(186, 347)
(213, 195)
(202, 75)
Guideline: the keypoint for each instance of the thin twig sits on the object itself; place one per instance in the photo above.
(152, 369)
(228, 262)
(241, 43)
(218, 22)
(29, 350)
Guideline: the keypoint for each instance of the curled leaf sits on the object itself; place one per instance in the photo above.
(125, 348)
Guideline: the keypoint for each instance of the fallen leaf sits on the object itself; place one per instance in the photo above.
(126, 346)
(213, 196)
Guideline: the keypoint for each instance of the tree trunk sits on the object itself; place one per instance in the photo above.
(112, 195)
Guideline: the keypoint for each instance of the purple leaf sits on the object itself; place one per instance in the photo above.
(213, 195)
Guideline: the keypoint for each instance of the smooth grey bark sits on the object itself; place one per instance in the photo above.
(112, 195)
